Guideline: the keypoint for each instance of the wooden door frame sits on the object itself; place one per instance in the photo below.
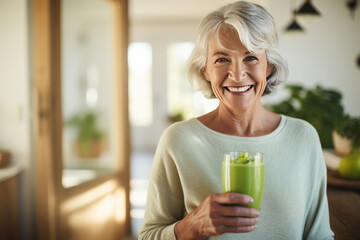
(48, 117)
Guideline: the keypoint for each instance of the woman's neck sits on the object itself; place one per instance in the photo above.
(255, 122)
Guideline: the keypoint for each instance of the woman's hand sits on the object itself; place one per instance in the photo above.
(216, 215)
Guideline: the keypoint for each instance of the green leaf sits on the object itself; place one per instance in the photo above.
(319, 106)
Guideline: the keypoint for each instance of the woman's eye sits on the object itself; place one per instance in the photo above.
(221, 60)
(251, 58)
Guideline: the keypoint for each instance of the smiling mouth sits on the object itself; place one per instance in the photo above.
(239, 89)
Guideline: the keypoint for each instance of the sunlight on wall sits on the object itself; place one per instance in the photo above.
(92, 214)
(120, 198)
(73, 177)
(90, 196)
(140, 84)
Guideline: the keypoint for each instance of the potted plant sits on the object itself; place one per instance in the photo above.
(346, 134)
(319, 106)
(348, 129)
(90, 139)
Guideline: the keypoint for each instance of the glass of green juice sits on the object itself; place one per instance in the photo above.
(243, 172)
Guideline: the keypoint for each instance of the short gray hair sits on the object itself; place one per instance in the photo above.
(257, 32)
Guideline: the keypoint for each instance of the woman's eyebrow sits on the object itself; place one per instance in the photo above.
(227, 54)
(220, 53)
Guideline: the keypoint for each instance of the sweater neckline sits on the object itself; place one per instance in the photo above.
(272, 134)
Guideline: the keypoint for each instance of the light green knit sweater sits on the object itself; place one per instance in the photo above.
(187, 168)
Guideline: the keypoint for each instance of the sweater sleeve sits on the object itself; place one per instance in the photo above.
(317, 224)
(165, 200)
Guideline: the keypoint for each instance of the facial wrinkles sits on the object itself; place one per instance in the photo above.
(261, 86)
(237, 68)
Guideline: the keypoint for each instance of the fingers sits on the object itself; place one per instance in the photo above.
(227, 205)
(219, 226)
(221, 213)
(237, 211)
(233, 225)
(226, 229)
(232, 198)
(235, 221)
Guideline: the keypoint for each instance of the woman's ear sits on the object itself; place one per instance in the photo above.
(269, 69)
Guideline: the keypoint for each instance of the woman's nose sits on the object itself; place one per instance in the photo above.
(237, 72)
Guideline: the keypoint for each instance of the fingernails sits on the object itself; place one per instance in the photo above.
(250, 200)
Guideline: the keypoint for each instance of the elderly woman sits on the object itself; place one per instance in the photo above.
(236, 60)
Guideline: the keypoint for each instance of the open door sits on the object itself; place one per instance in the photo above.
(85, 198)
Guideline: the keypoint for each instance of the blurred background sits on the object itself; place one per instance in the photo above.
(88, 86)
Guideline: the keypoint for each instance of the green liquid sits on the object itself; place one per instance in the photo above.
(245, 179)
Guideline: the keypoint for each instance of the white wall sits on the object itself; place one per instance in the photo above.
(15, 100)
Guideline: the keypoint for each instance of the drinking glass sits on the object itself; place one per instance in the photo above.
(243, 172)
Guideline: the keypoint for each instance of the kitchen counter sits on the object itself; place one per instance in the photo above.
(10, 171)
(344, 200)
(9, 200)
(344, 206)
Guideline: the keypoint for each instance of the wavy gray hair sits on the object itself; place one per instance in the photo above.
(257, 32)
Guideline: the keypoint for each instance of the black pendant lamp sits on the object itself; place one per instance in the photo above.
(294, 26)
(352, 5)
(307, 9)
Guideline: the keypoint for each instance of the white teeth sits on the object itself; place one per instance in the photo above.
(239, 89)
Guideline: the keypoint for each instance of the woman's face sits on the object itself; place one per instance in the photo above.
(238, 77)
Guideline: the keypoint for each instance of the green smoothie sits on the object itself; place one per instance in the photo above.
(245, 175)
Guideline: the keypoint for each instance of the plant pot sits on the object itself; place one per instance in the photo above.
(342, 145)
(90, 149)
